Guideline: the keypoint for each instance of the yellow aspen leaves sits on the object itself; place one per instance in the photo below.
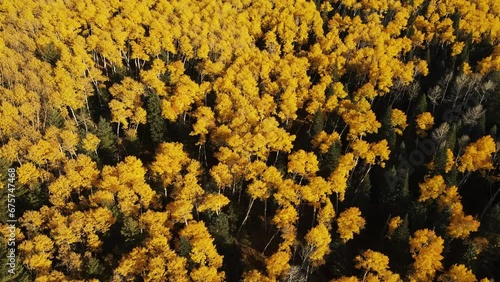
(461, 225)
(376, 265)
(205, 121)
(169, 161)
(393, 224)
(269, 111)
(127, 104)
(126, 180)
(222, 175)
(256, 276)
(339, 176)
(90, 142)
(450, 160)
(477, 155)
(326, 214)
(431, 188)
(38, 253)
(350, 222)
(458, 272)
(324, 141)
(151, 77)
(303, 163)
(360, 118)
(28, 173)
(457, 48)
(285, 216)
(277, 264)
(369, 152)
(424, 121)
(398, 121)
(318, 240)
(213, 202)
(203, 253)
(426, 248)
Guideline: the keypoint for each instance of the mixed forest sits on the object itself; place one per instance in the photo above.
(251, 140)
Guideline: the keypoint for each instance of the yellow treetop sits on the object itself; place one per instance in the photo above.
(426, 248)
(318, 240)
(431, 188)
(393, 224)
(458, 272)
(477, 155)
(424, 121)
(350, 222)
(398, 121)
(339, 177)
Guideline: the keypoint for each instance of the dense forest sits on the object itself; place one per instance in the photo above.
(249, 140)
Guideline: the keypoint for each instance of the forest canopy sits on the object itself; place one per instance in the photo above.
(250, 140)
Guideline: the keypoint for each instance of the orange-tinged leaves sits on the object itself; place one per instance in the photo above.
(458, 272)
(426, 248)
(431, 188)
(477, 155)
(350, 222)
(424, 121)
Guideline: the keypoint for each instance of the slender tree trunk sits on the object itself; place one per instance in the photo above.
(314, 217)
(265, 215)
(246, 216)
(270, 240)
(490, 202)
(74, 116)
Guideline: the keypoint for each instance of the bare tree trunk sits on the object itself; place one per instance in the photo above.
(490, 202)
(246, 216)
(270, 240)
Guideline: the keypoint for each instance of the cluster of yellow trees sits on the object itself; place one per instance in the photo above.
(249, 80)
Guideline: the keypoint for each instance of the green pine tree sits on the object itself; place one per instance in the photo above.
(156, 122)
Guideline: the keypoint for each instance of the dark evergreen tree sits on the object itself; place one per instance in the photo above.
(156, 122)
(387, 130)
(107, 147)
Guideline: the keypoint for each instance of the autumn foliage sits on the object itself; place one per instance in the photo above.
(232, 140)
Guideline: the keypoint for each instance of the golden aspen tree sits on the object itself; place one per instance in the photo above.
(205, 120)
(324, 141)
(461, 225)
(169, 161)
(458, 272)
(393, 224)
(256, 276)
(450, 160)
(151, 78)
(350, 222)
(431, 188)
(424, 121)
(477, 155)
(369, 152)
(360, 118)
(28, 174)
(398, 121)
(302, 163)
(126, 181)
(126, 107)
(277, 264)
(38, 253)
(326, 214)
(426, 248)
(203, 253)
(222, 175)
(214, 202)
(90, 143)
(339, 176)
(318, 241)
(376, 267)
